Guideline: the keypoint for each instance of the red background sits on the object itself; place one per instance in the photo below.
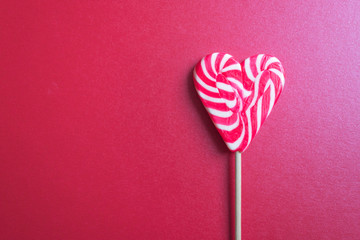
(103, 135)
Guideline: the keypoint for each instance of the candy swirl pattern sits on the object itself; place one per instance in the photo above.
(238, 96)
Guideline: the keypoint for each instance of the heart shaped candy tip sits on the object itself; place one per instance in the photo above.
(238, 96)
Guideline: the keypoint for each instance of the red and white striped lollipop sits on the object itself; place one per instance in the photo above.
(238, 96)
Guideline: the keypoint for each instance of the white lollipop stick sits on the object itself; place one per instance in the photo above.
(237, 195)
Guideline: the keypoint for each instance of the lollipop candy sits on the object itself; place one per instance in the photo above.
(238, 97)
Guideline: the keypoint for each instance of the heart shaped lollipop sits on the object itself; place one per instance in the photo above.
(238, 96)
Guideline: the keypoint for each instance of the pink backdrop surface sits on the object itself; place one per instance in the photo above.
(102, 135)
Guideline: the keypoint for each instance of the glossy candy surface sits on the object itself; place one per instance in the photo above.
(238, 96)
